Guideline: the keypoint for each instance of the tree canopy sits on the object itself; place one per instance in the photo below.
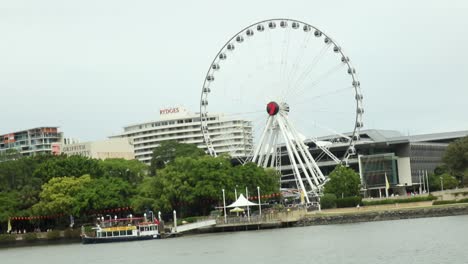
(167, 151)
(344, 182)
(456, 158)
(194, 184)
(436, 181)
(188, 180)
(34, 181)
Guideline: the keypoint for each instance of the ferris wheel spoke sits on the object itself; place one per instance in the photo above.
(301, 87)
(284, 54)
(297, 80)
(297, 61)
(321, 96)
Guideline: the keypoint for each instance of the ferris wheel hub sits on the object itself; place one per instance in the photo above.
(272, 108)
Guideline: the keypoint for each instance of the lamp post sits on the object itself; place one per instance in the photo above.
(152, 216)
(248, 208)
(427, 183)
(259, 203)
(235, 199)
(174, 213)
(224, 207)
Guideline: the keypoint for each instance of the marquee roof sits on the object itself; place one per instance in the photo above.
(241, 202)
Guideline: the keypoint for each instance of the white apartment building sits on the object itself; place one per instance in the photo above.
(229, 135)
(102, 149)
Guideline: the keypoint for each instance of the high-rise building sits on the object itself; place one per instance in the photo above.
(229, 135)
(31, 141)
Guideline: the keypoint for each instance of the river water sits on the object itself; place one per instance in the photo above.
(425, 240)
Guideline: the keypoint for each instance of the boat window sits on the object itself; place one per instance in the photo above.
(122, 233)
(99, 234)
(103, 234)
(146, 228)
(109, 234)
(115, 233)
(142, 229)
(129, 232)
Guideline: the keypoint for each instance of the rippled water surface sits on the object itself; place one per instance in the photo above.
(427, 240)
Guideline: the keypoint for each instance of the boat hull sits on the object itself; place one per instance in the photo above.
(95, 240)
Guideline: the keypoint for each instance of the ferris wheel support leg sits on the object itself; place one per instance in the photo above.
(327, 152)
(269, 148)
(274, 148)
(292, 158)
(312, 160)
(264, 154)
(314, 164)
(294, 141)
(309, 160)
(259, 146)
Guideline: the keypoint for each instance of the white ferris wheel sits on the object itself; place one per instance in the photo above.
(299, 91)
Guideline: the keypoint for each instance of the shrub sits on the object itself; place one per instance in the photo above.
(7, 237)
(430, 197)
(444, 202)
(464, 200)
(461, 193)
(352, 201)
(328, 201)
(53, 235)
(30, 236)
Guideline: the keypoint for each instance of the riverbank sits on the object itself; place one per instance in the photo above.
(385, 214)
(293, 218)
(40, 238)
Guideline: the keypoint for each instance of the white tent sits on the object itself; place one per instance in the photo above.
(241, 202)
(237, 210)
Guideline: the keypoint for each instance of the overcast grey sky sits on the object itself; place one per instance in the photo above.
(92, 67)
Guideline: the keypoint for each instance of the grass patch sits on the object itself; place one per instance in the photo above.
(395, 201)
(450, 202)
(461, 193)
(7, 238)
(444, 202)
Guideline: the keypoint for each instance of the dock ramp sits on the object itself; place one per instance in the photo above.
(192, 226)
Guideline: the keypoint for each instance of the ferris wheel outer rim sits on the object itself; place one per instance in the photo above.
(356, 88)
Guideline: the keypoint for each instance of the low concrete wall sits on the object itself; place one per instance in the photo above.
(395, 214)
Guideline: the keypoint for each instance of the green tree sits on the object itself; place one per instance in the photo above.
(456, 158)
(15, 174)
(62, 166)
(131, 171)
(167, 151)
(59, 195)
(193, 184)
(344, 182)
(104, 193)
(448, 181)
(9, 204)
(10, 154)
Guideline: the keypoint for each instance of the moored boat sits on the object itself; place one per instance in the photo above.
(122, 229)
